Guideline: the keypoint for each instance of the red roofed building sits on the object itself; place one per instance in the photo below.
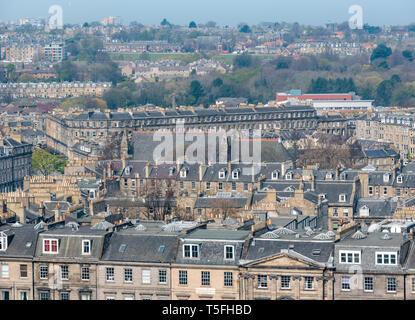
(297, 94)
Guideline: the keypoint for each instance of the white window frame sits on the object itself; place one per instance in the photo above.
(228, 279)
(83, 247)
(352, 252)
(387, 285)
(288, 280)
(3, 241)
(62, 273)
(235, 174)
(192, 251)
(5, 273)
(262, 284)
(162, 276)
(342, 197)
(146, 276)
(130, 276)
(222, 174)
(389, 254)
(364, 284)
(107, 274)
(370, 191)
(233, 252)
(50, 246)
(345, 282)
(85, 273)
(40, 272)
(307, 281)
(275, 174)
(205, 279)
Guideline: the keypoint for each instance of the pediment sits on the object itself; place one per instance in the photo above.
(282, 260)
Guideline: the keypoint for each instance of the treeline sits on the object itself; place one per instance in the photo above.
(88, 62)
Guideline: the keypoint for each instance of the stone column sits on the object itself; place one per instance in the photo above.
(274, 287)
(250, 286)
(296, 287)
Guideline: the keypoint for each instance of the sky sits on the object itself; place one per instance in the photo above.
(224, 12)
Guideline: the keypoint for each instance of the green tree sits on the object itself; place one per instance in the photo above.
(381, 52)
(407, 54)
(196, 90)
(242, 61)
(192, 24)
(217, 82)
(46, 163)
(11, 72)
(165, 22)
(245, 29)
(67, 71)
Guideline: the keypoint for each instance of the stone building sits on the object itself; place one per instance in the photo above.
(370, 265)
(207, 265)
(66, 262)
(15, 164)
(136, 264)
(286, 264)
(17, 249)
(63, 131)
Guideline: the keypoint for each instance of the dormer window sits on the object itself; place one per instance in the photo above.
(191, 251)
(364, 211)
(235, 174)
(386, 177)
(183, 173)
(322, 196)
(222, 174)
(275, 175)
(92, 193)
(171, 171)
(342, 197)
(288, 176)
(127, 170)
(329, 176)
(343, 176)
(229, 252)
(399, 179)
(86, 246)
(3, 241)
(50, 245)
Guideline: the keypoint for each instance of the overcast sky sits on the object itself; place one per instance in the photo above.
(224, 12)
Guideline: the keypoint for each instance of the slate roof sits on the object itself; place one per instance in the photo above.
(70, 242)
(216, 202)
(380, 153)
(212, 250)
(140, 247)
(261, 248)
(378, 207)
(21, 241)
(332, 190)
(408, 181)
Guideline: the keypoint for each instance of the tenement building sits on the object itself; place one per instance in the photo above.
(53, 90)
(396, 128)
(63, 131)
(15, 163)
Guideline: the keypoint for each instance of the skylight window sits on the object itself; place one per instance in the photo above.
(161, 249)
(122, 247)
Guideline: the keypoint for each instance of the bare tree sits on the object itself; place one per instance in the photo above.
(159, 202)
(112, 148)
